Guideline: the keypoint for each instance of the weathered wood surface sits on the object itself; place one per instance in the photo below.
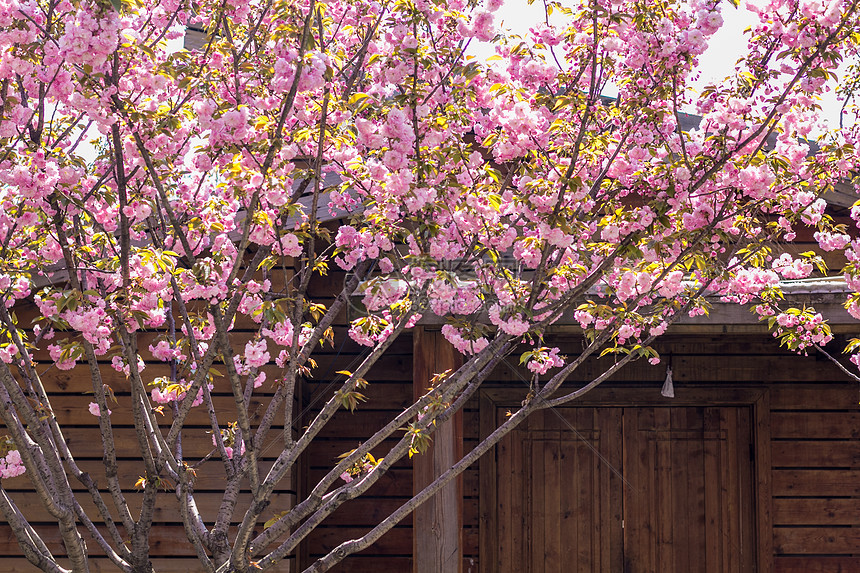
(358, 425)
(392, 543)
(684, 475)
(689, 473)
(556, 494)
(438, 523)
(176, 564)
(816, 482)
(815, 425)
(364, 563)
(77, 382)
(166, 510)
(731, 370)
(815, 455)
(815, 511)
(815, 397)
(385, 396)
(816, 540)
(817, 564)
(762, 464)
(164, 540)
(820, 454)
(814, 446)
(71, 410)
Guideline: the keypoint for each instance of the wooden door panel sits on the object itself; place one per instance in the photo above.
(638, 490)
(688, 502)
(665, 496)
(559, 500)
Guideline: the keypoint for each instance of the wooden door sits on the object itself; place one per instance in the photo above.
(688, 497)
(557, 506)
(632, 490)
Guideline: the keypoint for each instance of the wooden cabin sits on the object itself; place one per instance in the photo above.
(753, 466)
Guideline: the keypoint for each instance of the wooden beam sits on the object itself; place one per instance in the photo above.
(763, 486)
(438, 523)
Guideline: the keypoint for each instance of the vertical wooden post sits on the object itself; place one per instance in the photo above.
(437, 525)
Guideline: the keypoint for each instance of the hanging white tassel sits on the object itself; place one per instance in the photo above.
(668, 390)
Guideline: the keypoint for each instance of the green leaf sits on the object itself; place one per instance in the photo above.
(275, 519)
(357, 97)
(117, 5)
(525, 357)
(490, 140)
(350, 400)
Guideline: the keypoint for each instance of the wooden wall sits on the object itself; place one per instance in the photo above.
(390, 390)
(70, 393)
(814, 451)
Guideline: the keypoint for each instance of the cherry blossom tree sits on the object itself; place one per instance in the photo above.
(154, 190)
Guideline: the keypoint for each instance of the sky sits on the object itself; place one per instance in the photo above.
(725, 46)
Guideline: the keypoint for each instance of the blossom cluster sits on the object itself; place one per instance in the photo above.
(11, 465)
(148, 189)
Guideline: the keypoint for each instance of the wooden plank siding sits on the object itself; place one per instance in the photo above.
(806, 442)
(820, 398)
(70, 392)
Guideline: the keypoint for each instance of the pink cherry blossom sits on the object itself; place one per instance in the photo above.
(255, 353)
(95, 411)
(11, 465)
